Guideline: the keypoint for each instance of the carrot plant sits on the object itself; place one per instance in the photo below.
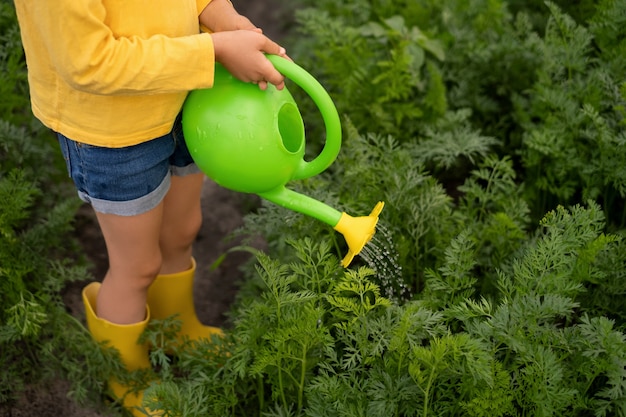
(322, 340)
(573, 121)
(397, 61)
(13, 86)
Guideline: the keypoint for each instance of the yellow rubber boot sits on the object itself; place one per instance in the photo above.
(123, 338)
(172, 294)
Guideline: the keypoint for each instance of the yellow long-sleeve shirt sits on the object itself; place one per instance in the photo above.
(113, 73)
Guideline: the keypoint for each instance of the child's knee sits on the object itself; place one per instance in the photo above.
(183, 234)
(142, 273)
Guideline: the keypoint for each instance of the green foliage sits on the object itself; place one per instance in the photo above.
(544, 86)
(14, 106)
(573, 121)
(384, 70)
(605, 289)
(321, 341)
(34, 326)
(477, 56)
(535, 330)
(580, 10)
(451, 144)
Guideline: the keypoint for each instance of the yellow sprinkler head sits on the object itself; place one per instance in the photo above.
(358, 231)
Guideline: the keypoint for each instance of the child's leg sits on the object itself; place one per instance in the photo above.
(172, 291)
(182, 218)
(134, 261)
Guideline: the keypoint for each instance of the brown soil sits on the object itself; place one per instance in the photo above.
(216, 286)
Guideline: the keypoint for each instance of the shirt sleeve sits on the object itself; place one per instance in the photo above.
(87, 55)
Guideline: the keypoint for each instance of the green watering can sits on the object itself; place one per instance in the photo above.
(252, 141)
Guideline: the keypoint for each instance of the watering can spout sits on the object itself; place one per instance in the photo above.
(358, 231)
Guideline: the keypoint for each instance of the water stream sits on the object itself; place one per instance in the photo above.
(381, 256)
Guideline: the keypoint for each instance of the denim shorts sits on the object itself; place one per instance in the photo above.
(130, 180)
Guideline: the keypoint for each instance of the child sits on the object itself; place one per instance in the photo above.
(110, 77)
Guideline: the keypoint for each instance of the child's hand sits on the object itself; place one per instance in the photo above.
(221, 16)
(242, 53)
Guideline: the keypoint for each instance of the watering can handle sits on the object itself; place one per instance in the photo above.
(327, 109)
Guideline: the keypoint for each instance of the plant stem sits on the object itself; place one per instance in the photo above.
(302, 375)
(427, 391)
(281, 386)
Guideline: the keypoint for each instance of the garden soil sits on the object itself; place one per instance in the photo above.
(216, 282)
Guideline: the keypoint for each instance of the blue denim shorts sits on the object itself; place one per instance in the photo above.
(131, 180)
